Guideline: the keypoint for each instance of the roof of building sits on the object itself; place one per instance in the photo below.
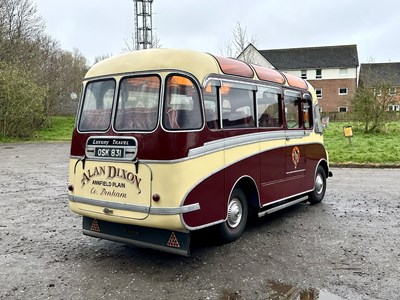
(313, 57)
(379, 73)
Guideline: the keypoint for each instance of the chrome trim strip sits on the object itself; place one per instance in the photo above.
(270, 211)
(286, 198)
(203, 226)
(296, 134)
(297, 171)
(245, 139)
(264, 184)
(236, 141)
(137, 208)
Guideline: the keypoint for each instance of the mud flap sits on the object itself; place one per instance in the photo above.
(176, 242)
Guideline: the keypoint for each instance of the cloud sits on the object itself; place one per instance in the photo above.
(97, 27)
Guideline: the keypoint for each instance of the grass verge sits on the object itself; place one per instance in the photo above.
(60, 129)
(381, 148)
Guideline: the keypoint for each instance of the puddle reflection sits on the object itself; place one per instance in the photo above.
(281, 291)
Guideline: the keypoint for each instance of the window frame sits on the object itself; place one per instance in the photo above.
(319, 95)
(217, 84)
(117, 100)
(343, 93)
(318, 73)
(298, 96)
(279, 102)
(83, 102)
(251, 88)
(196, 86)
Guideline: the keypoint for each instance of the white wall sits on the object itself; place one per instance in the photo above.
(326, 73)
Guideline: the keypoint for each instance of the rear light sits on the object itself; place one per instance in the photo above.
(70, 188)
(156, 197)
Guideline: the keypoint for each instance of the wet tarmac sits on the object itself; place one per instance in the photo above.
(348, 247)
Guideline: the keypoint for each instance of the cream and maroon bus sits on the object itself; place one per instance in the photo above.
(172, 141)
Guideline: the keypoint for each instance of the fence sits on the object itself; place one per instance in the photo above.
(391, 116)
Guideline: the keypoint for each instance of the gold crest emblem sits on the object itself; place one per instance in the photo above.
(295, 156)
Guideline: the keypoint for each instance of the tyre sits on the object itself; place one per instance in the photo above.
(318, 193)
(237, 213)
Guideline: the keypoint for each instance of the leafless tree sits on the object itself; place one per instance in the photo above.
(102, 57)
(131, 42)
(20, 26)
(236, 46)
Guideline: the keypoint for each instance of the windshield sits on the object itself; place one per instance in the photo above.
(97, 105)
(138, 101)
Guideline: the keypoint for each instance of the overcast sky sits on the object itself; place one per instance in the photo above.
(98, 27)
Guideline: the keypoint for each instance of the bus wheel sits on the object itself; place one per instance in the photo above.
(236, 221)
(318, 193)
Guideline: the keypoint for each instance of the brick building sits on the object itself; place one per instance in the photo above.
(332, 70)
(384, 78)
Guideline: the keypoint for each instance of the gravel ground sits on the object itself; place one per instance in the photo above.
(347, 247)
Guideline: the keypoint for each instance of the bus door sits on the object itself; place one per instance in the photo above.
(295, 150)
(240, 131)
(272, 144)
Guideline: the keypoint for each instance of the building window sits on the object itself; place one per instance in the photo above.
(304, 74)
(318, 74)
(342, 109)
(318, 91)
(392, 91)
(343, 71)
(377, 92)
(342, 91)
(394, 107)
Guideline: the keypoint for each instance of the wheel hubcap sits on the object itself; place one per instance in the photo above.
(235, 212)
(319, 184)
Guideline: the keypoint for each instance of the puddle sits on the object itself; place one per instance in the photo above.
(281, 291)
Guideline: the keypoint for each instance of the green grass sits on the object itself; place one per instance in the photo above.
(60, 130)
(382, 148)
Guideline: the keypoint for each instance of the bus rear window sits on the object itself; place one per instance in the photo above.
(138, 101)
(97, 105)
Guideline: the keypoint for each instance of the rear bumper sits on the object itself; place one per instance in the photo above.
(175, 242)
(135, 208)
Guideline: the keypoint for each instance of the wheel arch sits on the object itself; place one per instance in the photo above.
(324, 164)
(249, 187)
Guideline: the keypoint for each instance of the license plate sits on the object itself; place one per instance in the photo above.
(109, 152)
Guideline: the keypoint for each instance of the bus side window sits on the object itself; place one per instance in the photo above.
(182, 109)
(307, 111)
(269, 107)
(318, 128)
(292, 109)
(238, 106)
(210, 93)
